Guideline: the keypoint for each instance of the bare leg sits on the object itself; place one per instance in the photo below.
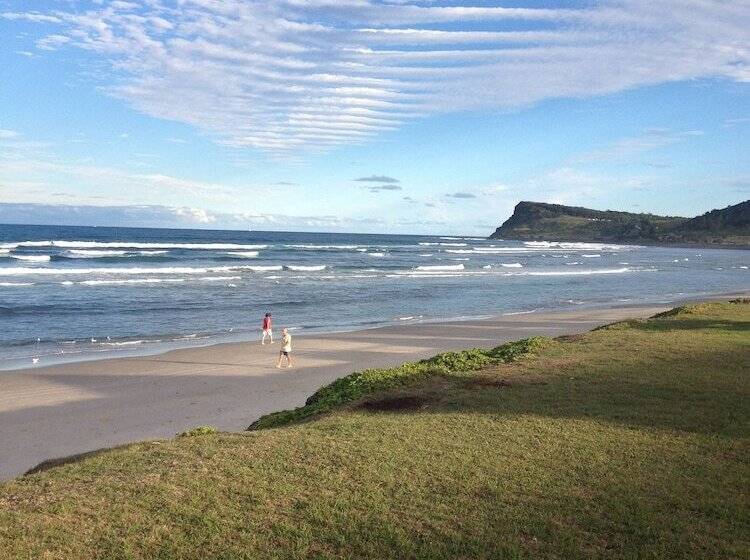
(289, 361)
(278, 363)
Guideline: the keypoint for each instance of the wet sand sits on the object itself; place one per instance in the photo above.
(67, 409)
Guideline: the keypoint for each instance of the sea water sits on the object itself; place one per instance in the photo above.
(72, 293)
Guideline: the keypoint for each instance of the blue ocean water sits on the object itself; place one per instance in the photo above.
(69, 293)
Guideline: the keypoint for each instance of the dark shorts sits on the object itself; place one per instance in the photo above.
(285, 353)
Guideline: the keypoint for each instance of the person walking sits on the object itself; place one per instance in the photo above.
(286, 349)
(267, 329)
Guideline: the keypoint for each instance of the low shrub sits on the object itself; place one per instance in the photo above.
(199, 431)
(360, 384)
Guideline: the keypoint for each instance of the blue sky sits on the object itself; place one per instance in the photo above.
(359, 115)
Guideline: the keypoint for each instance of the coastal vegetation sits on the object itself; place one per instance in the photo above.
(629, 441)
(536, 221)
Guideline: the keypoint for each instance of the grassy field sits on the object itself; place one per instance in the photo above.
(630, 441)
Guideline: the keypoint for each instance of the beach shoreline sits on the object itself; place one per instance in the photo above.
(247, 336)
(62, 410)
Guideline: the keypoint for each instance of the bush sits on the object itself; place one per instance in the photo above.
(359, 384)
(199, 431)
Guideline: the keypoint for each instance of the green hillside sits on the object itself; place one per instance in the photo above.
(553, 222)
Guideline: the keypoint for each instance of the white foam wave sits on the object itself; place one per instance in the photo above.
(130, 244)
(438, 268)
(103, 253)
(301, 268)
(578, 245)
(264, 268)
(519, 312)
(444, 244)
(511, 265)
(131, 281)
(488, 250)
(580, 272)
(32, 258)
(129, 343)
(15, 284)
(243, 254)
(376, 254)
(595, 256)
(219, 278)
(23, 271)
(316, 247)
(88, 253)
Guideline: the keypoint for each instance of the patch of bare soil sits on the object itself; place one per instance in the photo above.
(485, 382)
(571, 337)
(390, 404)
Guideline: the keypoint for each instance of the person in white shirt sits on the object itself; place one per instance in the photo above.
(286, 349)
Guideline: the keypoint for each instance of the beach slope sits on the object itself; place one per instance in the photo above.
(628, 441)
(68, 409)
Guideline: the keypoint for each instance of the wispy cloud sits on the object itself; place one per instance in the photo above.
(626, 148)
(731, 123)
(377, 179)
(380, 188)
(461, 195)
(287, 75)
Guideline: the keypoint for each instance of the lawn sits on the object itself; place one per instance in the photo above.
(630, 441)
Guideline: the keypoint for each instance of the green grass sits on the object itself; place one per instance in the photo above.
(631, 441)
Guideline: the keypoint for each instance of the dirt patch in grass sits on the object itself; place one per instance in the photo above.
(571, 337)
(396, 404)
(476, 383)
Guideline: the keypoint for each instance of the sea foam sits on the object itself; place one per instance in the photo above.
(301, 268)
(32, 258)
(243, 254)
(128, 244)
(439, 268)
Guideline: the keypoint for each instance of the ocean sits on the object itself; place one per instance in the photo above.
(75, 293)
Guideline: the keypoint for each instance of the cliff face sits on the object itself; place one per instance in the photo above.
(535, 221)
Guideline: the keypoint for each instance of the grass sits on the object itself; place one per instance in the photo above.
(630, 441)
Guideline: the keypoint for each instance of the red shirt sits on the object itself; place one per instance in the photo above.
(266, 323)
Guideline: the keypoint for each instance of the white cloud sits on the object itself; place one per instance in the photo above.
(198, 215)
(626, 148)
(8, 134)
(272, 75)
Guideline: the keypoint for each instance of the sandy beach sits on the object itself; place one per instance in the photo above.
(61, 410)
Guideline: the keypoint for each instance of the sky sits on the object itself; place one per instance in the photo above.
(398, 116)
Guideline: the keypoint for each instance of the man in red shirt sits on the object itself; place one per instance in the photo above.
(267, 329)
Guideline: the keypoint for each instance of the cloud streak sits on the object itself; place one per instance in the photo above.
(377, 179)
(292, 75)
(381, 188)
